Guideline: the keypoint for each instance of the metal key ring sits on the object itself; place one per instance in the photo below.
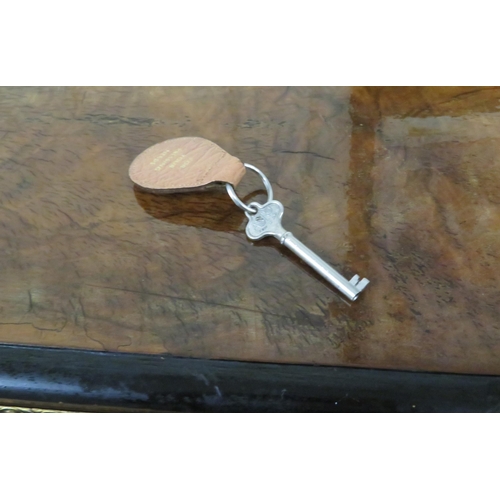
(232, 193)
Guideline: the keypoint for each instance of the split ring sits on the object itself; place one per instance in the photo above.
(232, 193)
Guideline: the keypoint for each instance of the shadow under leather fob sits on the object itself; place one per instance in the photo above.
(184, 164)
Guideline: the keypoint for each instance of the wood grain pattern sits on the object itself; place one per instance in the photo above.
(396, 184)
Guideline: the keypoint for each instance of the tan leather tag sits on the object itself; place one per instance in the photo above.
(185, 163)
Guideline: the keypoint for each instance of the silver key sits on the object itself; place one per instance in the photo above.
(265, 220)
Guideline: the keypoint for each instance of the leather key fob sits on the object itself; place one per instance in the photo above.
(185, 163)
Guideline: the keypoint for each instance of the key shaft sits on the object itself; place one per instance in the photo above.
(350, 290)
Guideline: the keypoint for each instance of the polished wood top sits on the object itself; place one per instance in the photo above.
(399, 185)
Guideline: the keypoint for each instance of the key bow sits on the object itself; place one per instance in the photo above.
(266, 221)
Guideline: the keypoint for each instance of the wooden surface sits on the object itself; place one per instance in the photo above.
(399, 185)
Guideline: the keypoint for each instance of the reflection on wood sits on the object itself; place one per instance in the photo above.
(396, 184)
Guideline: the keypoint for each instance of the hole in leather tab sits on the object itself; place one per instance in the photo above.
(185, 163)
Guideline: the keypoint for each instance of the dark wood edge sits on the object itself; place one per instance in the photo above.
(101, 381)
